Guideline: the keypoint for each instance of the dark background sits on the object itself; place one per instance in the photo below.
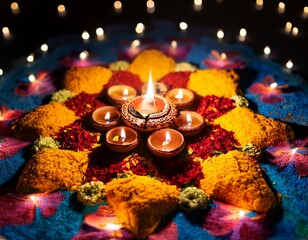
(38, 21)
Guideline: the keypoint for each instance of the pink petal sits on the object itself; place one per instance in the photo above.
(10, 146)
(169, 232)
(271, 99)
(49, 203)
(16, 211)
(301, 164)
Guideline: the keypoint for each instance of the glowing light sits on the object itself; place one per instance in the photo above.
(183, 26)
(31, 78)
(267, 50)
(281, 7)
(1, 72)
(197, 5)
(167, 139)
(220, 34)
(123, 135)
(305, 12)
(84, 55)
(243, 34)
(30, 58)
(100, 33)
(44, 47)
(295, 31)
(179, 95)
(15, 8)
(139, 28)
(174, 44)
(6, 32)
(293, 151)
(273, 85)
(61, 10)
(117, 6)
(288, 27)
(241, 213)
(34, 199)
(112, 226)
(188, 119)
(107, 117)
(149, 96)
(85, 35)
(125, 93)
(136, 43)
(289, 64)
(150, 6)
(259, 4)
(223, 56)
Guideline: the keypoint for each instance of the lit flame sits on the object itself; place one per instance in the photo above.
(223, 56)
(241, 213)
(107, 117)
(167, 139)
(174, 44)
(34, 199)
(179, 95)
(122, 135)
(1, 117)
(112, 226)
(188, 119)
(149, 96)
(273, 85)
(31, 78)
(125, 93)
(293, 151)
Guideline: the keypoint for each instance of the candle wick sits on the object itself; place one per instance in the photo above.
(166, 142)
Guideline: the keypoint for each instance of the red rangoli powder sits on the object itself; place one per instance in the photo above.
(212, 107)
(84, 104)
(213, 140)
(125, 78)
(176, 79)
(74, 137)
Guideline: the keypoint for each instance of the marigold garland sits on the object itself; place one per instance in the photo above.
(249, 127)
(236, 178)
(221, 83)
(152, 60)
(43, 121)
(53, 169)
(86, 79)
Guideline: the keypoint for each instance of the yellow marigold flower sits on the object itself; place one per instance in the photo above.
(236, 178)
(140, 202)
(152, 60)
(249, 127)
(221, 83)
(86, 79)
(43, 121)
(53, 169)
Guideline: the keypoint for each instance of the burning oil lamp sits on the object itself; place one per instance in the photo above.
(159, 88)
(166, 142)
(148, 112)
(189, 123)
(104, 118)
(181, 97)
(118, 94)
(122, 139)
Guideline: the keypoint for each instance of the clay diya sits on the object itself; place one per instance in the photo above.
(105, 118)
(181, 97)
(166, 142)
(189, 123)
(118, 94)
(122, 139)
